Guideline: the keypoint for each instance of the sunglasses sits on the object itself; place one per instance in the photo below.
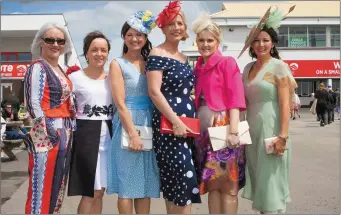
(51, 41)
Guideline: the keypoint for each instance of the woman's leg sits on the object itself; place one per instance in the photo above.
(98, 202)
(125, 206)
(174, 209)
(214, 202)
(229, 203)
(85, 205)
(142, 206)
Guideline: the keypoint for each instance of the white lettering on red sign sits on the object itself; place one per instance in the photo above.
(6, 68)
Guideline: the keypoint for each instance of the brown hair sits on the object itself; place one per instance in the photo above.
(90, 37)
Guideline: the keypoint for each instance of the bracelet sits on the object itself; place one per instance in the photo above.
(234, 133)
(176, 126)
(283, 138)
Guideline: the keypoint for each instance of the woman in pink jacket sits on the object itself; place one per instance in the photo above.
(219, 97)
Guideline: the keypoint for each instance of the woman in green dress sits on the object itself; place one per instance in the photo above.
(269, 87)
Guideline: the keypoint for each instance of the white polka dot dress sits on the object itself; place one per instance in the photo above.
(132, 175)
(174, 155)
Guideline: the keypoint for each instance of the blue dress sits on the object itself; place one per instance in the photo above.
(133, 174)
(174, 155)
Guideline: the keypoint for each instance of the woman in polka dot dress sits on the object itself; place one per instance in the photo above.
(170, 81)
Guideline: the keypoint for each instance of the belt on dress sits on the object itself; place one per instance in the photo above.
(139, 102)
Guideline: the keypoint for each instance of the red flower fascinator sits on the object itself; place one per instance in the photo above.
(72, 69)
(168, 14)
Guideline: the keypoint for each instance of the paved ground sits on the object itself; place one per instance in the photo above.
(314, 176)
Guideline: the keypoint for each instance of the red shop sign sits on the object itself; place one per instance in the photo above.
(13, 70)
(314, 68)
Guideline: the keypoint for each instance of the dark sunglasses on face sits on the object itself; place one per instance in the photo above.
(51, 41)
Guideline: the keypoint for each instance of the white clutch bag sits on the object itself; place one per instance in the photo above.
(218, 135)
(268, 145)
(146, 135)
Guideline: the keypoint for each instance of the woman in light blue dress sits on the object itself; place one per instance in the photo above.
(132, 173)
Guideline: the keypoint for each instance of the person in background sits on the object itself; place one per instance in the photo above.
(219, 98)
(269, 88)
(322, 97)
(88, 168)
(3, 128)
(13, 99)
(337, 103)
(12, 115)
(331, 104)
(48, 93)
(170, 82)
(296, 105)
(132, 172)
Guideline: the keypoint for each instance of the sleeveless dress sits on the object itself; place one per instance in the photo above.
(267, 176)
(132, 174)
(175, 156)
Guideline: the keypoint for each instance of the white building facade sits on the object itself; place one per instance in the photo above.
(309, 39)
(17, 33)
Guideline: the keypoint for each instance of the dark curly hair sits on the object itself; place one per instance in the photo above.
(145, 49)
(274, 38)
(90, 37)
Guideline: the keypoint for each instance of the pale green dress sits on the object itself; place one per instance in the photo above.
(267, 176)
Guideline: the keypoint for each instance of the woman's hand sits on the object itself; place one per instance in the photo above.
(232, 141)
(279, 145)
(181, 130)
(135, 144)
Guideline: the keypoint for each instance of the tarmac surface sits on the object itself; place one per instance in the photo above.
(314, 182)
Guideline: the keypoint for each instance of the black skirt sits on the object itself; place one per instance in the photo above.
(84, 157)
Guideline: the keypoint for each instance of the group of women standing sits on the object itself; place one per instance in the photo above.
(81, 116)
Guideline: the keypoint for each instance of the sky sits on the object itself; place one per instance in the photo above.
(107, 16)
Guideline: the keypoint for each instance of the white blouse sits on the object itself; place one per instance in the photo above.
(92, 97)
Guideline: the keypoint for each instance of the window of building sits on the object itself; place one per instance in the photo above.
(298, 37)
(283, 36)
(335, 36)
(304, 87)
(16, 56)
(24, 56)
(335, 84)
(317, 36)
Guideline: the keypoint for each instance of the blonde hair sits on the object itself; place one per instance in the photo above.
(215, 30)
(322, 85)
(184, 20)
(204, 22)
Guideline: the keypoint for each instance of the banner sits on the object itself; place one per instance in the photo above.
(298, 41)
(314, 68)
(13, 70)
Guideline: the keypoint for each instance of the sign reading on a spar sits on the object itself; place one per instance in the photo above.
(13, 70)
(314, 68)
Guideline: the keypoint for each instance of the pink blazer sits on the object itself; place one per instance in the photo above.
(220, 81)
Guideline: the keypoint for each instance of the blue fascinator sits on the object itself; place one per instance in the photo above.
(142, 21)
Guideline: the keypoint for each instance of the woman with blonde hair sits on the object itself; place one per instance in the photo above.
(219, 97)
(49, 103)
(170, 82)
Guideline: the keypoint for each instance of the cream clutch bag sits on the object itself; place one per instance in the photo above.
(218, 135)
(268, 145)
(146, 135)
